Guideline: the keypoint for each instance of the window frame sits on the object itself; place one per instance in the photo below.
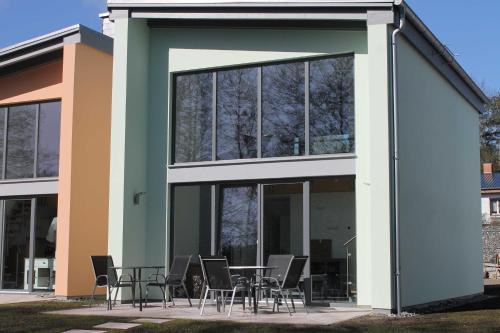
(259, 66)
(7, 108)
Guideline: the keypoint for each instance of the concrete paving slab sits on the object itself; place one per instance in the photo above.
(84, 331)
(12, 298)
(117, 326)
(151, 320)
(316, 317)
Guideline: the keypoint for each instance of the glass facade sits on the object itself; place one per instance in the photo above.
(32, 133)
(265, 105)
(237, 114)
(25, 233)
(193, 117)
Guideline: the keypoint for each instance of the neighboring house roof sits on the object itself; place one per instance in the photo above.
(490, 181)
(48, 46)
(416, 31)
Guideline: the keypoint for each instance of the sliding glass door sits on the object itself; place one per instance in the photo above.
(27, 239)
(16, 244)
(282, 219)
(247, 222)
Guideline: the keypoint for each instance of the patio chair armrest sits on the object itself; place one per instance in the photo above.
(156, 275)
(127, 276)
(98, 277)
(270, 279)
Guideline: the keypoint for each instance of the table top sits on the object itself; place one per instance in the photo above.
(251, 267)
(136, 267)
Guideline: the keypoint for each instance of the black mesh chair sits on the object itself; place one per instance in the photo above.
(106, 277)
(280, 263)
(218, 279)
(175, 278)
(290, 284)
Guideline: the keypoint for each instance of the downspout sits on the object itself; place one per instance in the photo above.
(395, 141)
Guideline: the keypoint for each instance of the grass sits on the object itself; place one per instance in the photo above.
(481, 317)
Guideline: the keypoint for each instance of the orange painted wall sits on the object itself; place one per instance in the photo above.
(43, 82)
(83, 167)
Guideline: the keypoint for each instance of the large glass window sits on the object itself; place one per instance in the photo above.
(331, 106)
(283, 110)
(237, 114)
(21, 126)
(48, 139)
(238, 224)
(25, 154)
(193, 117)
(262, 111)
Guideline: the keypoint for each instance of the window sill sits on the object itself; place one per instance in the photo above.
(262, 160)
(28, 180)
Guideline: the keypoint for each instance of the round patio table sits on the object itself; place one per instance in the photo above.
(137, 279)
(252, 285)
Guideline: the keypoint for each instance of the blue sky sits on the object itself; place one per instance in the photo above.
(471, 31)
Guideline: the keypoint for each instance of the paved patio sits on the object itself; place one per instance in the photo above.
(316, 316)
(9, 298)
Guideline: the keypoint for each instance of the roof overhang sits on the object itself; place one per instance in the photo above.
(48, 47)
(303, 13)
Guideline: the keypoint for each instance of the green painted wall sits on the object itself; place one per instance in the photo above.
(127, 222)
(144, 61)
(440, 185)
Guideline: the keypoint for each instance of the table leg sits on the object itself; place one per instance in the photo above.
(254, 295)
(140, 291)
(133, 287)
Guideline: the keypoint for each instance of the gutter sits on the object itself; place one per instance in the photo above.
(395, 142)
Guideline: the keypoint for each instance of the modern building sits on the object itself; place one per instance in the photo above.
(248, 128)
(55, 114)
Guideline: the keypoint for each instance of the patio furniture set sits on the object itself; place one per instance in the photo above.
(278, 280)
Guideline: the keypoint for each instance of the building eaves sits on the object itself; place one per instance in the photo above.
(203, 10)
(14, 56)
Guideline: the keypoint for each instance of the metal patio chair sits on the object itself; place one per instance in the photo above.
(290, 284)
(280, 262)
(106, 277)
(175, 278)
(219, 279)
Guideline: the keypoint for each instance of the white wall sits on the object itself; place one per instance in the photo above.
(441, 247)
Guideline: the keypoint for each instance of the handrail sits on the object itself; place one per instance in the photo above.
(349, 241)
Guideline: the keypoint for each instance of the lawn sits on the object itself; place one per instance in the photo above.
(29, 317)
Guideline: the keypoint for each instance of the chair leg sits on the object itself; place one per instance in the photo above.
(204, 300)
(93, 295)
(303, 299)
(243, 301)
(291, 299)
(116, 294)
(164, 296)
(203, 286)
(110, 297)
(286, 302)
(187, 294)
(232, 301)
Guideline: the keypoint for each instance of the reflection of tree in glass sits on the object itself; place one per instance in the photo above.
(193, 118)
(238, 224)
(48, 140)
(2, 133)
(283, 110)
(236, 114)
(332, 105)
(21, 141)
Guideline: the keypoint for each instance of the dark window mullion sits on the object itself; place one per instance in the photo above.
(306, 109)
(214, 116)
(4, 161)
(37, 131)
(259, 112)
